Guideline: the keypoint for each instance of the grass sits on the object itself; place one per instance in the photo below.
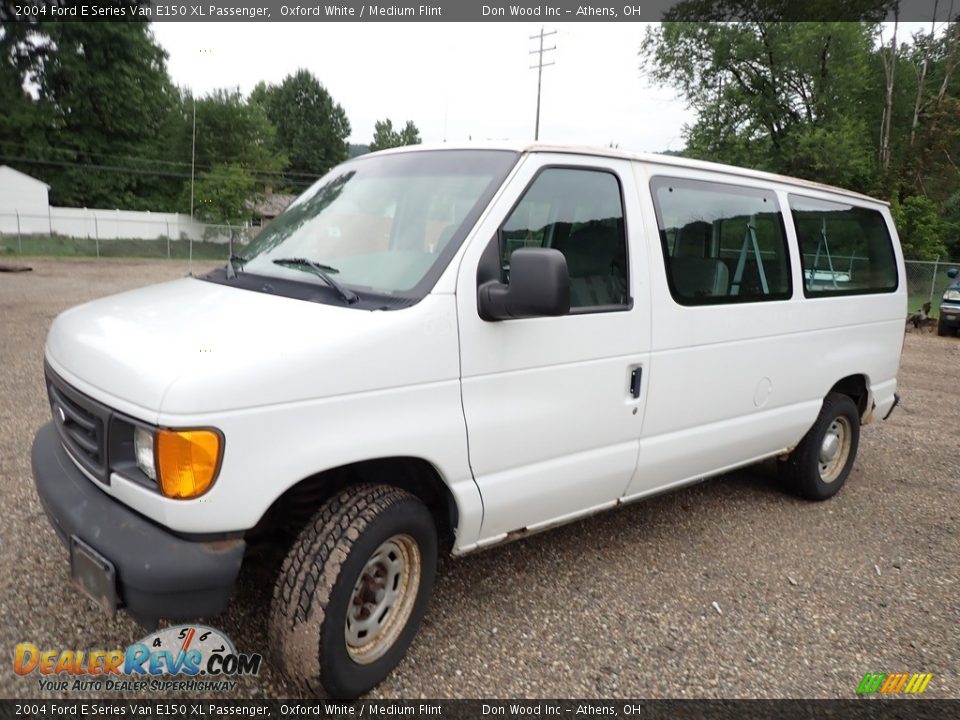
(56, 246)
(915, 300)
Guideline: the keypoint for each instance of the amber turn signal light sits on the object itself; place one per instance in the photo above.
(187, 461)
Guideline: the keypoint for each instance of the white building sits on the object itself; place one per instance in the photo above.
(22, 193)
(25, 210)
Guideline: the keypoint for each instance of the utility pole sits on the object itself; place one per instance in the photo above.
(193, 147)
(539, 68)
(193, 153)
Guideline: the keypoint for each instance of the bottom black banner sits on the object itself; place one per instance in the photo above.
(472, 709)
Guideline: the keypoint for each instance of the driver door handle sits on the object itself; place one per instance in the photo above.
(635, 381)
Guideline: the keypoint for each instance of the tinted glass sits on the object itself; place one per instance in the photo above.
(846, 250)
(721, 243)
(579, 213)
(384, 223)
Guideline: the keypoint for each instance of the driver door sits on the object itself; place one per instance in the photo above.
(554, 405)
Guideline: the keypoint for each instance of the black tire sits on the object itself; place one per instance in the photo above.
(308, 615)
(942, 329)
(803, 473)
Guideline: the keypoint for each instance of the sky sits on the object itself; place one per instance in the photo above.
(456, 81)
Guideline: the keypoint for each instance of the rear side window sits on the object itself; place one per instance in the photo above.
(846, 250)
(721, 243)
(580, 213)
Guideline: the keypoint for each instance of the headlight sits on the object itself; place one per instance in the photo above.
(143, 450)
(953, 295)
(187, 461)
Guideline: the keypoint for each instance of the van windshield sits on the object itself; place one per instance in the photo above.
(382, 224)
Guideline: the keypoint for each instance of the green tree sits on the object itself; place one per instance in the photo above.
(385, 136)
(23, 121)
(223, 193)
(311, 129)
(854, 104)
(922, 231)
(780, 96)
(929, 140)
(410, 135)
(234, 138)
(100, 94)
(232, 130)
(950, 212)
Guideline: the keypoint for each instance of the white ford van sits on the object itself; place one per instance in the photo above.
(445, 349)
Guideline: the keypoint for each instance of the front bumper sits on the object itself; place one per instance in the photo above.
(159, 574)
(950, 316)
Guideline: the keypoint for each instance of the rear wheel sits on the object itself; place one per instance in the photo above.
(820, 464)
(353, 590)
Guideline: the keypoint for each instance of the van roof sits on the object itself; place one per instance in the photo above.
(657, 158)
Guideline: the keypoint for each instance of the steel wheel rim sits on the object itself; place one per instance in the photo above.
(382, 599)
(834, 449)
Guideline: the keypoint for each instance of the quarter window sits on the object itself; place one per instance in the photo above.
(580, 213)
(721, 243)
(845, 249)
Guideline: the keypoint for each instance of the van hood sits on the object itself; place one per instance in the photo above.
(194, 347)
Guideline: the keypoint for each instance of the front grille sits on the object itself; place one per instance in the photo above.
(81, 423)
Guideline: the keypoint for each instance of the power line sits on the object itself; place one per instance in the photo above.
(128, 170)
(539, 68)
(107, 168)
(68, 150)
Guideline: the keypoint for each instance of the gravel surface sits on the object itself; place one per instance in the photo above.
(729, 588)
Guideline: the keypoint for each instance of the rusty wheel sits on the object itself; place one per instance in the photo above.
(382, 599)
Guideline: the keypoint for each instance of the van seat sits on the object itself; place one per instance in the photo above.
(596, 261)
(700, 277)
(693, 240)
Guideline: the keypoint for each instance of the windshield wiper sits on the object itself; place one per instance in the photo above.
(233, 262)
(323, 272)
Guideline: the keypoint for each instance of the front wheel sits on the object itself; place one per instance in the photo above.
(942, 329)
(820, 464)
(353, 590)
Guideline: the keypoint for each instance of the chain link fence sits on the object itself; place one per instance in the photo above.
(86, 236)
(106, 236)
(926, 279)
(926, 283)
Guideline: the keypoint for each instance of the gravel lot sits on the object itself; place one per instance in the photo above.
(812, 595)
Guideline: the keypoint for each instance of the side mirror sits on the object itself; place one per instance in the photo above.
(952, 273)
(539, 286)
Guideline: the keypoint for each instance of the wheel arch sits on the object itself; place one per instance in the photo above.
(857, 388)
(293, 508)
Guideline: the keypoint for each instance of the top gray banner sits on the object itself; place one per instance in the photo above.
(472, 11)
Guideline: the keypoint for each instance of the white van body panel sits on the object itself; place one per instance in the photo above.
(734, 383)
(179, 347)
(296, 388)
(274, 447)
(528, 422)
(553, 429)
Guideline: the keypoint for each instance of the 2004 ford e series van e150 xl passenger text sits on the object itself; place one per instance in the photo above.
(439, 350)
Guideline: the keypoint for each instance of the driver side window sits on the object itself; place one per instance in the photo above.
(580, 213)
